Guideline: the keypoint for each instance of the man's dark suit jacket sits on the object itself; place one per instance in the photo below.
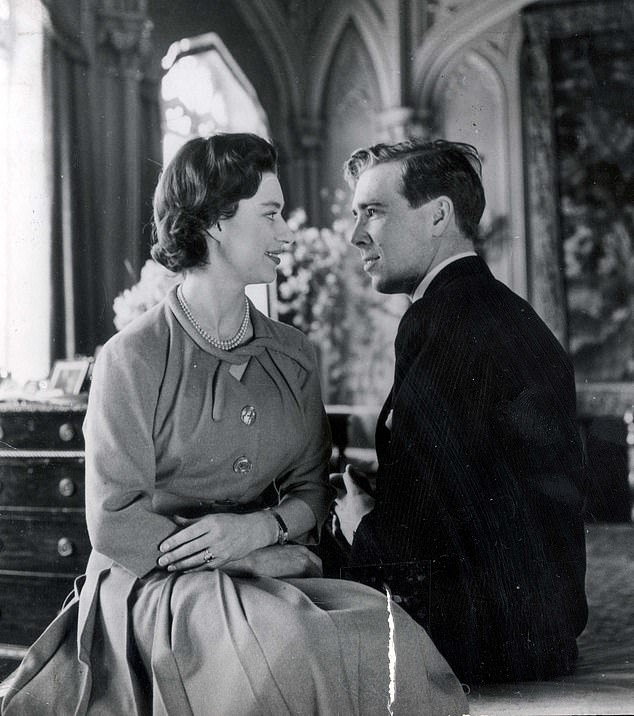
(480, 481)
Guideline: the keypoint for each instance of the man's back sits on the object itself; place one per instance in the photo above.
(480, 480)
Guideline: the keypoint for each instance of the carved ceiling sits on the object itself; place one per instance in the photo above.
(301, 16)
(439, 11)
(301, 37)
(299, 22)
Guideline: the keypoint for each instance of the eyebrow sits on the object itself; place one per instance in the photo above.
(272, 204)
(369, 202)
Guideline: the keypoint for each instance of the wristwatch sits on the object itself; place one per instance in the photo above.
(282, 529)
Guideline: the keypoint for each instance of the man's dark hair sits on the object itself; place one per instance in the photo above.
(429, 170)
(202, 185)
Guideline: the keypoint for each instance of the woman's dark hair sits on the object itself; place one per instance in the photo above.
(429, 170)
(202, 185)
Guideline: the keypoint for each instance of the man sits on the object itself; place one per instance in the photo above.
(475, 524)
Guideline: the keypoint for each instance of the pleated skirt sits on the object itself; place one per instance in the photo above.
(207, 644)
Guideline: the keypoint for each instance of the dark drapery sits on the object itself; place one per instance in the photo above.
(105, 134)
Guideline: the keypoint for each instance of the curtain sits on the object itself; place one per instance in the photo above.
(24, 194)
(105, 125)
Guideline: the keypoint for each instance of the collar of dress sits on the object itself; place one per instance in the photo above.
(264, 344)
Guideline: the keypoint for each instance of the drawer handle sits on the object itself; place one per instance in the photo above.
(66, 432)
(66, 487)
(65, 547)
(1, 432)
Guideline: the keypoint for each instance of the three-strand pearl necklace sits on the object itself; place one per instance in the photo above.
(222, 344)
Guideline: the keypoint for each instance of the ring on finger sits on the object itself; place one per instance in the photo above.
(208, 555)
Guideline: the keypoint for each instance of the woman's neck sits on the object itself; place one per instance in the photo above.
(217, 305)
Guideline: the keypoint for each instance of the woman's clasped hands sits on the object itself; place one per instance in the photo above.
(214, 540)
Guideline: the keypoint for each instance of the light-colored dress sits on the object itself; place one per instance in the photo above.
(170, 430)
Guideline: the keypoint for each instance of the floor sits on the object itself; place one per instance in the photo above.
(604, 680)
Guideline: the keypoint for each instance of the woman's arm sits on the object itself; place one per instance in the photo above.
(120, 456)
(291, 560)
(231, 537)
(308, 480)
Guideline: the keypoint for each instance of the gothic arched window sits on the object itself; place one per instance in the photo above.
(205, 91)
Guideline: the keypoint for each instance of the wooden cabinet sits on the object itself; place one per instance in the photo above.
(43, 538)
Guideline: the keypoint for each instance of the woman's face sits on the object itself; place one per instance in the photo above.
(249, 243)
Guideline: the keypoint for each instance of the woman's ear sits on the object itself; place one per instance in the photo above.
(213, 232)
(210, 235)
(442, 214)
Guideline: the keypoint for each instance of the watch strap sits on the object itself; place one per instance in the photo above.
(282, 529)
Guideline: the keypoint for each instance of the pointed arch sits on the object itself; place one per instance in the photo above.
(444, 40)
(478, 57)
(475, 97)
(266, 22)
(351, 109)
(331, 28)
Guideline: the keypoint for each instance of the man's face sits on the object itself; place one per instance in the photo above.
(395, 240)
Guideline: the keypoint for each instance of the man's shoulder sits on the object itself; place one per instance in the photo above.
(472, 312)
(469, 291)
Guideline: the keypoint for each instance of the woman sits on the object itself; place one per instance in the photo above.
(206, 452)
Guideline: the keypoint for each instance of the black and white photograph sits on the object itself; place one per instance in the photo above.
(316, 357)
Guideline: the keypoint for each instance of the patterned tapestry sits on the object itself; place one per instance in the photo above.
(593, 102)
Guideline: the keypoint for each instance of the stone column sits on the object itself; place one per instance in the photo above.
(307, 166)
(123, 46)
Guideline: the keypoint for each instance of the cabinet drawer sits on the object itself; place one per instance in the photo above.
(54, 543)
(41, 483)
(42, 430)
(27, 606)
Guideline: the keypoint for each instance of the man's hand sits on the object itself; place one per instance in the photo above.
(352, 503)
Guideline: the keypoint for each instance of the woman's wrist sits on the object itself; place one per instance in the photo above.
(267, 529)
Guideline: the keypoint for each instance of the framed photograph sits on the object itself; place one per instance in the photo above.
(69, 375)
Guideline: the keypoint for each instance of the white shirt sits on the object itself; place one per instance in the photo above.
(424, 284)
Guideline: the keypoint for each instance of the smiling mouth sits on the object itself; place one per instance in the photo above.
(369, 263)
(274, 257)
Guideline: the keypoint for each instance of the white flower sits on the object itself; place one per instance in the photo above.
(154, 283)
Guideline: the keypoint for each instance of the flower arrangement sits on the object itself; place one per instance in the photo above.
(323, 291)
(154, 282)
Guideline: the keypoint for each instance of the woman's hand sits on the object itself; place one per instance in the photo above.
(216, 539)
(280, 561)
